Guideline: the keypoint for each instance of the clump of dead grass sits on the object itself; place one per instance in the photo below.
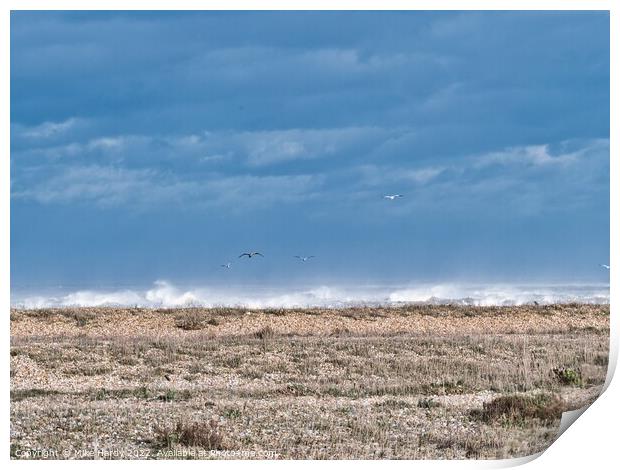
(191, 320)
(205, 434)
(514, 409)
(265, 332)
(427, 402)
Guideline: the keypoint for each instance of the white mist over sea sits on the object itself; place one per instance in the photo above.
(166, 294)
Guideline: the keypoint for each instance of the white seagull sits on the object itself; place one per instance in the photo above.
(303, 258)
(391, 197)
(606, 266)
(227, 265)
(250, 254)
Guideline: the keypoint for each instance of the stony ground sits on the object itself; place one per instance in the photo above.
(408, 382)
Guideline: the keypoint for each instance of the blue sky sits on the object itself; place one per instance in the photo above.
(152, 146)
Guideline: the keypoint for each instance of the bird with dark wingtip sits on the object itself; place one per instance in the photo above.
(251, 254)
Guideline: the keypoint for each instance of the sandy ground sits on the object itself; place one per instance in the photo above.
(404, 382)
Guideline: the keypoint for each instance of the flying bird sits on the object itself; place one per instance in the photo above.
(303, 258)
(249, 255)
(606, 266)
(227, 265)
(391, 197)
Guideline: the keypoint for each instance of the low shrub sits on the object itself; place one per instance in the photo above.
(265, 332)
(191, 320)
(427, 403)
(205, 434)
(568, 376)
(516, 408)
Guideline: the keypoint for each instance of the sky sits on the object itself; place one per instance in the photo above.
(160, 145)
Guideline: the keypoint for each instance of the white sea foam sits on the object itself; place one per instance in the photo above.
(165, 294)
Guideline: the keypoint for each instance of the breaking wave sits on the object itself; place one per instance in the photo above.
(164, 294)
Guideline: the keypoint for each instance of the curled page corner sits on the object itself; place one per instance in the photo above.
(566, 421)
(569, 417)
(518, 461)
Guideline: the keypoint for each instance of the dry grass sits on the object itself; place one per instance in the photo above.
(512, 409)
(193, 320)
(350, 383)
(205, 434)
(265, 333)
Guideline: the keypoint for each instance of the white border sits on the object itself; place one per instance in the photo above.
(592, 440)
(311, 5)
